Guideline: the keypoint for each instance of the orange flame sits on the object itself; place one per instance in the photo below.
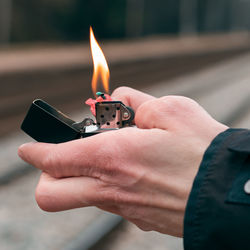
(101, 69)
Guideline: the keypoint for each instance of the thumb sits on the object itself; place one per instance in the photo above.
(131, 97)
(169, 112)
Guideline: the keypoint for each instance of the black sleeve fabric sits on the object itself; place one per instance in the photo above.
(218, 210)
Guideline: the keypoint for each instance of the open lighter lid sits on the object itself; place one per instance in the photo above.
(44, 123)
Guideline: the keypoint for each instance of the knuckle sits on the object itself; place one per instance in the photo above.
(176, 105)
(148, 111)
(149, 105)
(145, 107)
(51, 164)
(111, 194)
(47, 161)
(141, 224)
(178, 101)
(144, 227)
(151, 112)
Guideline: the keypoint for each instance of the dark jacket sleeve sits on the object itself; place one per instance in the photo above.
(218, 210)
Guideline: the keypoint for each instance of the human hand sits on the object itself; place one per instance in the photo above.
(144, 174)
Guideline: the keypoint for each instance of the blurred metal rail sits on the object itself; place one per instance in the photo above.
(15, 173)
(95, 233)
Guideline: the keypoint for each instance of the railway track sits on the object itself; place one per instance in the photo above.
(207, 77)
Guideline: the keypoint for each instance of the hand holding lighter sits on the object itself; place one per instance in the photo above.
(44, 123)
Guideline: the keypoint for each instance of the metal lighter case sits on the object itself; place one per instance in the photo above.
(44, 123)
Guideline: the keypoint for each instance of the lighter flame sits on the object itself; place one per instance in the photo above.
(101, 69)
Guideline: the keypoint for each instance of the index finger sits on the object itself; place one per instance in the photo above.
(93, 156)
(131, 97)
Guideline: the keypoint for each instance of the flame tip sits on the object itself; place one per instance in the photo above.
(101, 70)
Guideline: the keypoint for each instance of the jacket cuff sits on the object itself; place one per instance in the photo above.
(206, 200)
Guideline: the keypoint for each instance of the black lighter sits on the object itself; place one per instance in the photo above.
(44, 123)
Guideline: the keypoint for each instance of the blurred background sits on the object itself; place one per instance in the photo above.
(46, 21)
(199, 49)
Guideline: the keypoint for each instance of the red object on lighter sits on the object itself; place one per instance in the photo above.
(91, 102)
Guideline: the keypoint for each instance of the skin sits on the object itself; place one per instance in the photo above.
(144, 174)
